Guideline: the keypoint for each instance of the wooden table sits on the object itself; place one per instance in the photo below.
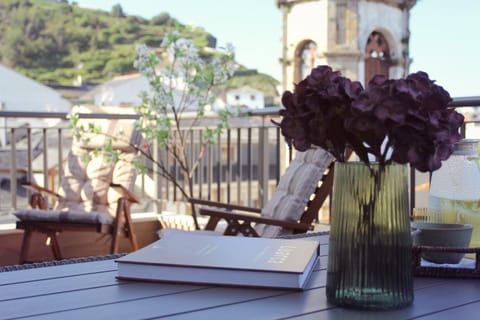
(90, 290)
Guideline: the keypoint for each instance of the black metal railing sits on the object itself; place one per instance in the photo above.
(242, 167)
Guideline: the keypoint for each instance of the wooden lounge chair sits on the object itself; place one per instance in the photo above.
(95, 193)
(291, 209)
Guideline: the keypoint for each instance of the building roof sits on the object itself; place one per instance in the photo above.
(244, 89)
(125, 90)
(20, 93)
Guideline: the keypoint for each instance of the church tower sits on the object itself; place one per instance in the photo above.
(360, 38)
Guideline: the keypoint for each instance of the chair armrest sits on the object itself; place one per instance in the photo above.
(126, 194)
(224, 205)
(40, 189)
(229, 215)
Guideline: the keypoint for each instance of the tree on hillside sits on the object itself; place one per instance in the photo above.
(13, 45)
(161, 19)
(117, 11)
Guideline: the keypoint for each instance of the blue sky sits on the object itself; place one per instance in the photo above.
(444, 34)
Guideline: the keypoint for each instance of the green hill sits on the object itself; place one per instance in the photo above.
(56, 42)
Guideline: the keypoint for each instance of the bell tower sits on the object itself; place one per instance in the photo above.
(360, 38)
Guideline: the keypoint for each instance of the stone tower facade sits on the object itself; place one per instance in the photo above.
(360, 38)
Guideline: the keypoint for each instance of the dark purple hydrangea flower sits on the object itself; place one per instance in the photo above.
(404, 121)
(314, 113)
(420, 128)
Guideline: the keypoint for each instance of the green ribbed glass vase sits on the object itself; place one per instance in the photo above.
(369, 258)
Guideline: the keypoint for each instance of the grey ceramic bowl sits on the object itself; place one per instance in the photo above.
(442, 235)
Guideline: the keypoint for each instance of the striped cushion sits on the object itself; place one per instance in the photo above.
(85, 187)
(294, 190)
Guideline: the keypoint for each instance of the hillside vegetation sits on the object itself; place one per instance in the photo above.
(56, 42)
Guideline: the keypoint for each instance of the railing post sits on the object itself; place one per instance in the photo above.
(157, 179)
(60, 156)
(228, 177)
(29, 160)
(45, 161)
(239, 166)
(200, 167)
(45, 158)
(263, 164)
(209, 172)
(249, 167)
(13, 168)
(219, 167)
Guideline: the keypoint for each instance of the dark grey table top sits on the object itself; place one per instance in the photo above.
(89, 290)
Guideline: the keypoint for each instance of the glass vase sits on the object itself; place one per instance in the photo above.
(370, 259)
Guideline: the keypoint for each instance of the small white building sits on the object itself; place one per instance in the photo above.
(126, 90)
(246, 97)
(20, 93)
(120, 91)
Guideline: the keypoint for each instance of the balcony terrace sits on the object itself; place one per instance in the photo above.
(243, 167)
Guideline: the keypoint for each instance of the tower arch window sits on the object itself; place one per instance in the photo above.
(377, 56)
(305, 60)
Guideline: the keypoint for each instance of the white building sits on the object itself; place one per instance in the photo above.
(246, 97)
(126, 90)
(20, 93)
(121, 90)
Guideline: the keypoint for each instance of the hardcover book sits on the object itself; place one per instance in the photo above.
(223, 260)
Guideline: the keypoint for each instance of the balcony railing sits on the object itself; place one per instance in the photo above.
(242, 167)
(244, 164)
